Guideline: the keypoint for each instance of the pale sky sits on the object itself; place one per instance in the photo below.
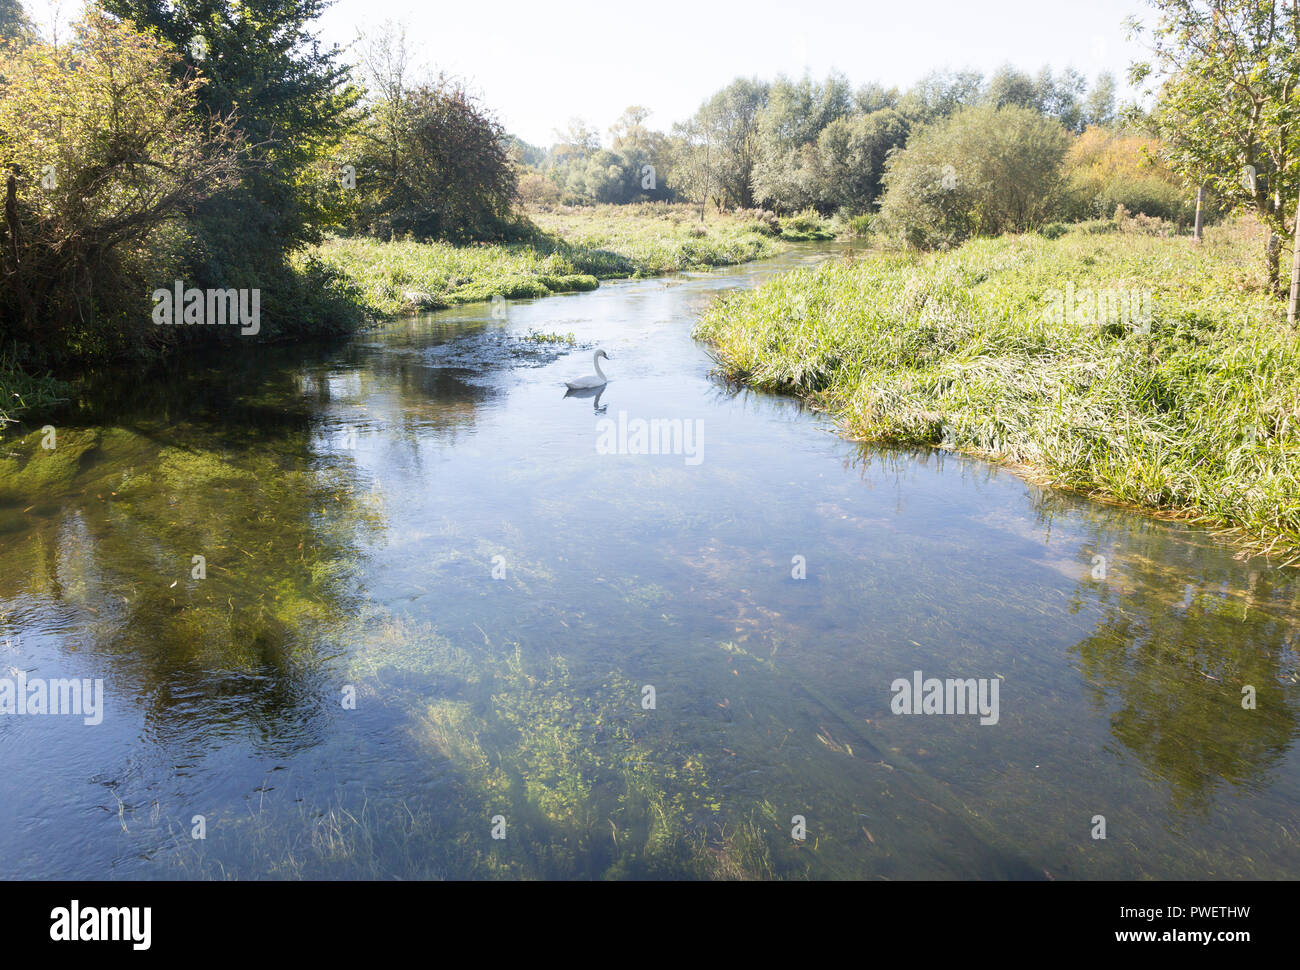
(538, 63)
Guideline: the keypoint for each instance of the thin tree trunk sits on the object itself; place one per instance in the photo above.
(1295, 270)
(1196, 234)
(26, 303)
(1272, 275)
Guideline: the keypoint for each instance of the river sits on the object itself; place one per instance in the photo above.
(401, 608)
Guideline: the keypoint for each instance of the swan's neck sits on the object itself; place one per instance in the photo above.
(599, 373)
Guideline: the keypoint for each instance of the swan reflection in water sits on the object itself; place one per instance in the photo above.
(595, 392)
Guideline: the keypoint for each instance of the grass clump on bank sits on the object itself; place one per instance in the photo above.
(807, 226)
(21, 393)
(1170, 381)
(572, 249)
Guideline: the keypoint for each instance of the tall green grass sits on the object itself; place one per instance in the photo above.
(22, 395)
(1196, 414)
(806, 226)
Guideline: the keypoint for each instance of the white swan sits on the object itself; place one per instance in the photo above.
(597, 379)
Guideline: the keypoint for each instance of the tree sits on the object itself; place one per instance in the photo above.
(1060, 96)
(983, 171)
(524, 153)
(104, 155)
(796, 113)
(1228, 110)
(694, 172)
(1099, 106)
(384, 66)
(1105, 169)
(605, 176)
(1293, 302)
(567, 160)
(294, 103)
(14, 25)
(1009, 86)
(629, 132)
(874, 97)
(732, 116)
(641, 155)
(434, 164)
(1057, 96)
(578, 140)
(851, 155)
(940, 94)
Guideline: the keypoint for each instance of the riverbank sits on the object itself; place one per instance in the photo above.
(570, 249)
(1131, 367)
(573, 249)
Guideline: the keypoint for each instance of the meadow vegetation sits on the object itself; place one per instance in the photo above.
(570, 248)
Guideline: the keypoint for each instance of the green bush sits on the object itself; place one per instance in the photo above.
(806, 225)
(1107, 169)
(981, 172)
(762, 221)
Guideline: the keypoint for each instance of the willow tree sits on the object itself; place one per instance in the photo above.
(732, 115)
(796, 113)
(1229, 108)
(694, 163)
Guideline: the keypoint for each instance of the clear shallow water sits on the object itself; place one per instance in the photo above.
(351, 510)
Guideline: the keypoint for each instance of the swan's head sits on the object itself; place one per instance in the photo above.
(599, 354)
